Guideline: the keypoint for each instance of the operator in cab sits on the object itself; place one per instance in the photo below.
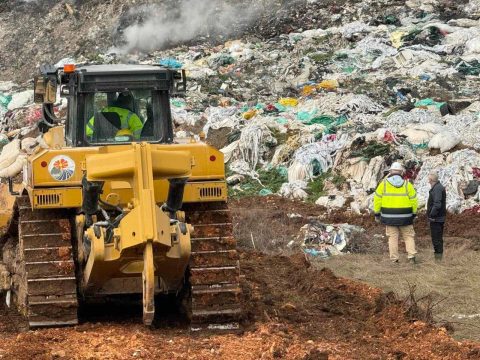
(130, 125)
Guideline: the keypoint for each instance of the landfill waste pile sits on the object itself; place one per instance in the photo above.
(310, 106)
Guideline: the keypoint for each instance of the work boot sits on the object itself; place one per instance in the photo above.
(412, 260)
(438, 257)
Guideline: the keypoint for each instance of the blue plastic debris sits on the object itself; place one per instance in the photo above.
(265, 192)
(171, 63)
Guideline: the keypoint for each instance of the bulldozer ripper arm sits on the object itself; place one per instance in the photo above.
(148, 280)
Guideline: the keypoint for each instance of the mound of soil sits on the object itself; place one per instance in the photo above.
(291, 311)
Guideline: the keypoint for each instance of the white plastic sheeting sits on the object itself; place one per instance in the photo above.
(400, 120)
(371, 52)
(454, 172)
(366, 174)
(320, 154)
(333, 202)
(294, 190)
(181, 116)
(21, 99)
(444, 141)
(255, 140)
(11, 159)
(422, 133)
(360, 104)
(466, 127)
(243, 168)
(220, 117)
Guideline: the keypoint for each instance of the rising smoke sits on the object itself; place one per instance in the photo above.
(188, 20)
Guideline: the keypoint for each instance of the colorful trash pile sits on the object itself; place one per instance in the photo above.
(324, 240)
(320, 114)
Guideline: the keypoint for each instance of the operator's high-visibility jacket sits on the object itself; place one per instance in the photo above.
(128, 120)
(395, 201)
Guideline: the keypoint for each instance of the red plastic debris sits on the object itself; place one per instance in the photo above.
(270, 108)
(476, 173)
(388, 136)
(472, 210)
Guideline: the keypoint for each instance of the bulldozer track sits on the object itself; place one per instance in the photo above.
(46, 292)
(214, 268)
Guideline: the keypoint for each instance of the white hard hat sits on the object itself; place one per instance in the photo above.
(396, 166)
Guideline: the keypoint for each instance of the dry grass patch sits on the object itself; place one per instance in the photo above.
(454, 284)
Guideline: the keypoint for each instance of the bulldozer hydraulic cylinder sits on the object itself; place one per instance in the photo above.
(175, 194)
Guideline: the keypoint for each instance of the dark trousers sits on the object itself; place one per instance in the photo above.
(436, 229)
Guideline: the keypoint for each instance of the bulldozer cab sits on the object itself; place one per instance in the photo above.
(113, 104)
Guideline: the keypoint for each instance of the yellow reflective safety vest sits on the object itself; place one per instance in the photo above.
(395, 201)
(128, 120)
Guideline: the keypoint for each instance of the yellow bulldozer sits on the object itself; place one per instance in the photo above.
(115, 205)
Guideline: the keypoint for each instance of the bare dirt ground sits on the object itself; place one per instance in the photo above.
(454, 284)
(294, 309)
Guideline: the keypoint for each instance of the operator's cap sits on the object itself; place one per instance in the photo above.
(397, 166)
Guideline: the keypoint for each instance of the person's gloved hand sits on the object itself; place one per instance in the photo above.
(377, 219)
(415, 217)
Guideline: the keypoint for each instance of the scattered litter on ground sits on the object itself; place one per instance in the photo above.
(323, 240)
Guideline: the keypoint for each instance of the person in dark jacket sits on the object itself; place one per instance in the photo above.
(436, 212)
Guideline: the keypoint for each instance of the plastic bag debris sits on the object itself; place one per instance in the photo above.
(308, 90)
(469, 68)
(220, 117)
(400, 120)
(315, 158)
(254, 142)
(249, 114)
(288, 102)
(294, 190)
(396, 38)
(333, 202)
(243, 168)
(170, 63)
(328, 85)
(429, 102)
(11, 160)
(21, 99)
(265, 192)
(444, 141)
(360, 104)
(5, 100)
(324, 240)
(455, 170)
(355, 28)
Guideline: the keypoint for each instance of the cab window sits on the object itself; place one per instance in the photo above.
(126, 116)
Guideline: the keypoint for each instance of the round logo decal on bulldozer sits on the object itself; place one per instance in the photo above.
(61, 167)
